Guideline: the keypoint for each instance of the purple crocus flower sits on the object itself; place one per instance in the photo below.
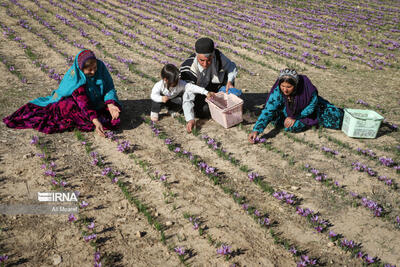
(53, 165)
(332, 234)
(293, 250)
(84, 204)
(257, 213)
(63, 183)
(50, 173)
(177, 150)
(71, 217)
(97, 256)
(90, 237)
(43, 166)
(180, 251)
(163, 178)
(114, 180)
(91, 226)
(34, 140)
(106, 171)
(252, 176)
(368, 259)
(224, 250)
(168, 141)
(54, 182)
(3, 258)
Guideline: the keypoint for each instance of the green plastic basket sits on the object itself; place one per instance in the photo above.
(361, 123)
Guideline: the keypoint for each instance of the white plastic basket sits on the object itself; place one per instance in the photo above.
(361, 123)
(226, 109)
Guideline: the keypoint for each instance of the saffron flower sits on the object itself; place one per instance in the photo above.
(71, 217)
(168, 141)
(53, 165)
(89, 237)
(180, 251)
(3, 258)
(50, 173)
(106, 171)
(252, 176)
(97, 256)
(224, 250)
(114, 180)
(63, 183)
(34, 140)
(84, 204)
(124, 147)
(90, 226)
(54, 182)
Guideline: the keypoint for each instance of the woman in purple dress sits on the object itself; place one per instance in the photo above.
(85, 99)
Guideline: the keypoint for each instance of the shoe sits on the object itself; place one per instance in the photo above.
(154, 116)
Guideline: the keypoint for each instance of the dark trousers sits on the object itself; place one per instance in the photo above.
(174, 104)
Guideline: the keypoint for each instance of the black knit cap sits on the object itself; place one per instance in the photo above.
(204, 46)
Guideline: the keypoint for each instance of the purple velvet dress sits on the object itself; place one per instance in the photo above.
(67, 114)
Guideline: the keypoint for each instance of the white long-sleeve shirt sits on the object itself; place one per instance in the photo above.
(160, 89)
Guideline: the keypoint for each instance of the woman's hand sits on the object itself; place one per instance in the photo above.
(99, 127)
(114, 111)
(210, 95)
(289, 122)
(252, 137)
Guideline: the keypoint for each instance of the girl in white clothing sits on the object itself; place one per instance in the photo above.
(169, 90)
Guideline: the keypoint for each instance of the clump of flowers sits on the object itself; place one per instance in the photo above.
(110, 135)
(367, 152)
(284, 196)
(124, 146)
(306, 261)
(259, 140)
(319, 224)
(373, 206)
(398, 222)
(72, 218)
(225, 250)
(252, 176)
(97, 161)
(3, 259)
(329, 150)
(362, 102)
(97, 259)
(87, 238)
(161, 177)
(180, 251)
(319, 176)
(388, 162)
(34, 140)
(363, 168)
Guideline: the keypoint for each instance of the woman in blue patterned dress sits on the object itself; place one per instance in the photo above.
(293, 103)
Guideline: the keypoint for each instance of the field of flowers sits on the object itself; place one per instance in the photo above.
(153, 195)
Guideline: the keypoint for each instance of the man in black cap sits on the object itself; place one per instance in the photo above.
(208, 68)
